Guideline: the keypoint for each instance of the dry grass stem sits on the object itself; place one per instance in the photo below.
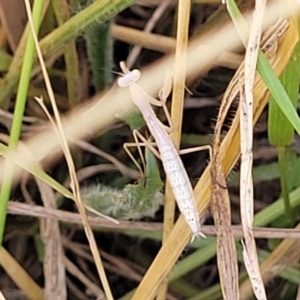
(94, 288)
(59, 130)
(285, 255)
(30, 210)
(21, 278)
(246, 129)
(157, 14)
(183, 15)
(119, 166)
(54, 268)
(23, 209)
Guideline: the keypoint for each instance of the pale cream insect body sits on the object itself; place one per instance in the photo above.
(171, 161)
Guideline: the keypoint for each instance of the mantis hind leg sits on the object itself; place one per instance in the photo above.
(196, 149)
(137, 138)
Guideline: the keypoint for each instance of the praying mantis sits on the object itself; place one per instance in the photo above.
(169, 155)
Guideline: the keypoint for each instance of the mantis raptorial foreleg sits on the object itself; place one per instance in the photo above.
(163, 94)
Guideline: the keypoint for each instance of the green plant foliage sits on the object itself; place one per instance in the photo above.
(135, 201)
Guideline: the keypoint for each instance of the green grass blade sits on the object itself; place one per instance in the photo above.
(265, 70)
(280, 131)
(282, 162)
(278, 92)
(36, 171)
(18, 115)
